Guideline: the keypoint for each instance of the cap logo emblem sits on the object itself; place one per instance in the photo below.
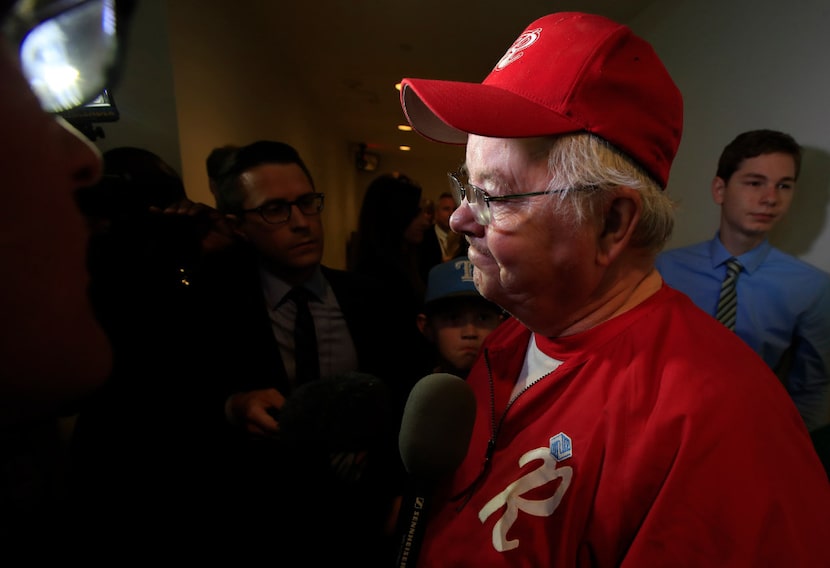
(466, 268)
(516, 50)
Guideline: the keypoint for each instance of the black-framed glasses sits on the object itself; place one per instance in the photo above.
(479, 200)
(279, 210)
(69, 49)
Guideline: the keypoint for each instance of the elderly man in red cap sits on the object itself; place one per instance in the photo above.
(613, 426)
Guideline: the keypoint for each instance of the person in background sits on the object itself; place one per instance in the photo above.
(783, 303)
(47, 161)
(215, 164)
(440, 243)
(128, 232)
(428, 207)
(391, 225)
(456, 319)
(268, 197)
(217, 234)
(616, 423)
(280, 239)
(53, 352)
(123, 467)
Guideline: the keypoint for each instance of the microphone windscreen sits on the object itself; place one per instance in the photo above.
(342, 413)
(436, 427)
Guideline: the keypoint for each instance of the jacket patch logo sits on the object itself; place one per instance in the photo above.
(560, 447)
(511, 498)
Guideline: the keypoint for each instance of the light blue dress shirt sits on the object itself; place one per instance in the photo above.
(783, 313)
(336, 348)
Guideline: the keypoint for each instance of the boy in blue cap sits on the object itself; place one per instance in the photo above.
(455, 318)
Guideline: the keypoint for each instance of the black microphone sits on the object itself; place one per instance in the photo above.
(435, 432)
(345, 417)
(339, 469)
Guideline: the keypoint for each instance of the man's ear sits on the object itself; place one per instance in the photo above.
(718, 187)
(621, 217)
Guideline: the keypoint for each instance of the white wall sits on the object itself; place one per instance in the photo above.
(144, 95)
(743, 65)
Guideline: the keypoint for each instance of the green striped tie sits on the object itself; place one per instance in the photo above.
(728, 302)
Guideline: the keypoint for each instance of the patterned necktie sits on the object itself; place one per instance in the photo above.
(305, 338)
(728, 302)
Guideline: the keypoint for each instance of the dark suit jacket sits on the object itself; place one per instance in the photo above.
(154, 443)
(244, 350)
(293, 480)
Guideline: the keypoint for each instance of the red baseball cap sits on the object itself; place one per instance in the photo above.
(567, 72)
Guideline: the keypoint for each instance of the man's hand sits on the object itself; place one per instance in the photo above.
(217, 231)
(255, 411)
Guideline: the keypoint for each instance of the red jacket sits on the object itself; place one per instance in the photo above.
(662, 440)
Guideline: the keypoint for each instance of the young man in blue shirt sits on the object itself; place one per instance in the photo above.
(783, 303)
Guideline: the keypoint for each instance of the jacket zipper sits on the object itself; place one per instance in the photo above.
(495, 426)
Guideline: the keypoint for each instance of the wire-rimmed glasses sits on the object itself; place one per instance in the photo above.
(278, 211)
(479, 200)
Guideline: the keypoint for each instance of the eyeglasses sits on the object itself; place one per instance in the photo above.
(479, 199)
(279, 211)
(68, 49)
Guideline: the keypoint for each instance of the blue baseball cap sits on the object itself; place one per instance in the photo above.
(451, 279)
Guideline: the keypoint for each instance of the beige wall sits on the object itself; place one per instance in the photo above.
(226, 94)
(229, 89)
(197, 77)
